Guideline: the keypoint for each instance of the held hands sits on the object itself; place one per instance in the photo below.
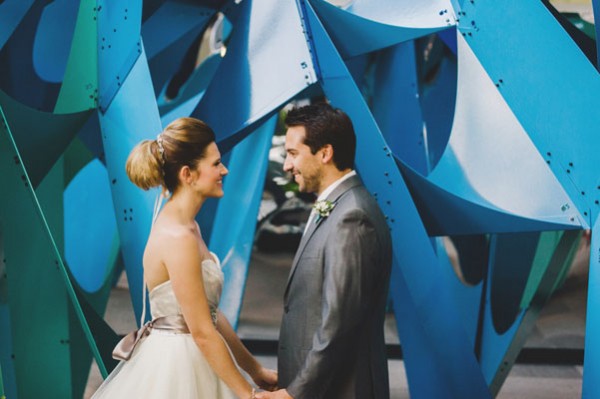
(265, 379)
(281, 394)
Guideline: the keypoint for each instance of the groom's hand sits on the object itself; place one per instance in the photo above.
(265, 379)
(281, 394)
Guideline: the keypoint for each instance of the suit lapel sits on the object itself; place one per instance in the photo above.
(333, 197)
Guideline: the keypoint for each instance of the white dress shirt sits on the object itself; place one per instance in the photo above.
(326, 193)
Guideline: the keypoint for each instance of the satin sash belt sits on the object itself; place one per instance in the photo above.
(125, 347)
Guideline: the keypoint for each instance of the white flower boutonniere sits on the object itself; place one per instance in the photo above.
(323, 209)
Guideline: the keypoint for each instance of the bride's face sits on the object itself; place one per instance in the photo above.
(209, 173)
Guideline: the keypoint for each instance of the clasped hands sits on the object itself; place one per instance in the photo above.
(280, 394)
(267, 379)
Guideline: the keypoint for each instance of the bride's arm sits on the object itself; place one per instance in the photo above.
(184, 264)
(264, 378)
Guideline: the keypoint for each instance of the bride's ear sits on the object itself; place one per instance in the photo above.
(185, 174)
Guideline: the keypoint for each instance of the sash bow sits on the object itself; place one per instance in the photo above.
(126, 346)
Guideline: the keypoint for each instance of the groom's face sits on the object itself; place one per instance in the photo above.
(305, 166)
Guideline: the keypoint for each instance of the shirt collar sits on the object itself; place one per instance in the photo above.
(334, 185)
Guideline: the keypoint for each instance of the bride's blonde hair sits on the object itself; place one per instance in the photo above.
(154, 163)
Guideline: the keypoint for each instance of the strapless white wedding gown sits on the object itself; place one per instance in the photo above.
(167, 364)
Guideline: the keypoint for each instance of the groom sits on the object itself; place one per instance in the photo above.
(331, 343)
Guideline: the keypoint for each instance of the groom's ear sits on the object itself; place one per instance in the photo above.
(327, 153)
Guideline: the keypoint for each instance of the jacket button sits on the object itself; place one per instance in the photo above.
(286, 308)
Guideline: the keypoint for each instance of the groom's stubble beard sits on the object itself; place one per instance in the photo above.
(311, 181)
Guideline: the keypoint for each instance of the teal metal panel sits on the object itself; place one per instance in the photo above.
(40, 136)
(6, 344)
(35, 270)
(553, 253)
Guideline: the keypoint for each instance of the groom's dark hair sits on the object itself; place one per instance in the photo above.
(326, 125)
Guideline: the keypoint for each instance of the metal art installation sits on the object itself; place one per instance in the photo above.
(468, 127)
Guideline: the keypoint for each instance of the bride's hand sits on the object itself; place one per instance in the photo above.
(265, 379)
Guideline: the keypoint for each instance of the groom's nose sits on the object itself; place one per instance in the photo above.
(287, 165)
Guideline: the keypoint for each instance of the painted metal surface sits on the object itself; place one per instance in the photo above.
(237, 215)
(134, 111)
(364, 27)
(554, 110)
(35, 269)
(491, 140)
(267, 64)
(11, 14)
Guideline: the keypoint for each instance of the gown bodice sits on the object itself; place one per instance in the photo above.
(164, 303)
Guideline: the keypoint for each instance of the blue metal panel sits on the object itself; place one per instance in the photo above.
(168, 34)
(90, 135)
(367, 26)
(460, 215)
(596, 8)
(191, 92)
(438, 101)
(18, 78)
(437, 312)
(53, 39)
(449, 37)
(511, 260)
(170, 22)
(468, 298)
(235, 222)
(40, 136)
(396, 106)
(553, 108)
(11, 14)
(119, 45)
(131, 117)
(267, 63)
(490, 160)
(591, 363)
(423, 370)
(164, 67)
(89, 225)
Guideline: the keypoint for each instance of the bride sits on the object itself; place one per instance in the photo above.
(189, 349)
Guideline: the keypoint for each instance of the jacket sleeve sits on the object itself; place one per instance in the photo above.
(349, 257)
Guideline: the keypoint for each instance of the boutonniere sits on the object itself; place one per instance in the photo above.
(323, 209)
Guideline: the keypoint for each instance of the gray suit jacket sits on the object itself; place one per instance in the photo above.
(331, 343)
